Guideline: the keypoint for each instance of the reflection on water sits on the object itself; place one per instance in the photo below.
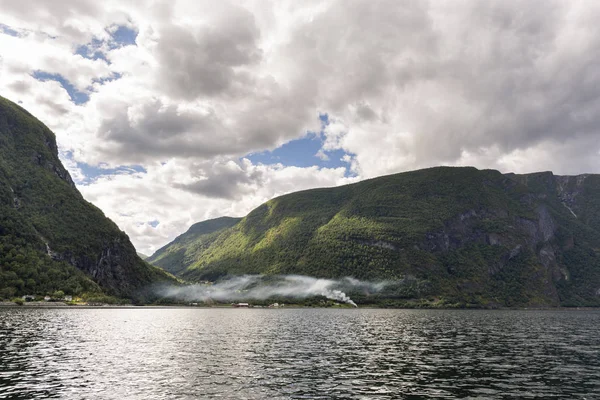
(301, 353)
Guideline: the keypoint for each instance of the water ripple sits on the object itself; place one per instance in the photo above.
(298, 354)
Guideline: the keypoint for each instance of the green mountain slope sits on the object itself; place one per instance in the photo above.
(453, 235)
(186, 248)
(50, 237)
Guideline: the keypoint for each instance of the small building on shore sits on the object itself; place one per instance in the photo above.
(241, 305)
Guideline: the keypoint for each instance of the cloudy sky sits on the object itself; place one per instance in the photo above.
(168, 113)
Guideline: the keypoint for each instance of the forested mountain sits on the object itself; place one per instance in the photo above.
(442, 235)
(50, 237)
(450, 235)
(187, 247)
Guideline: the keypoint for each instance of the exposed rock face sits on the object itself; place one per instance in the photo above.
(110, 268)
(466, 228)
(114, 268)
(569, 187)
(546, 225)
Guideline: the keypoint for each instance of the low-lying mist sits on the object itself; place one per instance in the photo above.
(261, 287)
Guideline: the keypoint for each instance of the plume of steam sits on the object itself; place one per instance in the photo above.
(258, 287)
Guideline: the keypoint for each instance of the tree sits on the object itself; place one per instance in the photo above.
(59, 294)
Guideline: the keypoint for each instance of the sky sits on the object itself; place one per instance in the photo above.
(168, 113)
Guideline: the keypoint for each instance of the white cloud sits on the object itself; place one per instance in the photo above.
(322, 155)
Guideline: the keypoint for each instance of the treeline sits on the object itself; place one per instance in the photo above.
(25, 270)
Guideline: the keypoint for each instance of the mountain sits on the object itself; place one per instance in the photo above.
(445, 235)
(186, 248)
(50, 237)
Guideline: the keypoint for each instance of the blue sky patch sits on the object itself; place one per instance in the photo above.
(92, 50)
(93, 172)
(300, 153)
(303, 152)
(7, 30)
(124, 36)
(113, 77)
(76, 96)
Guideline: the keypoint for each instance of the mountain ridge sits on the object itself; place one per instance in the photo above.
(464, 235)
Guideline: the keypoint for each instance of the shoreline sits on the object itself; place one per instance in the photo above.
(166, 307)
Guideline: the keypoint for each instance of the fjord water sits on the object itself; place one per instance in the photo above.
(297, 353)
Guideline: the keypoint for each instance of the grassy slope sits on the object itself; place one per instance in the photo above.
(186, 248)
(40, 208)
(459, 234)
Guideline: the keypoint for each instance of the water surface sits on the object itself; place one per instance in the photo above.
(297, 353)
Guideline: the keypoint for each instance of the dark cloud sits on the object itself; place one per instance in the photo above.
(203, 60)
(222, 179)
(223, 186)
(365, 112)
(19, 86)
(55, 108)
(151, 130)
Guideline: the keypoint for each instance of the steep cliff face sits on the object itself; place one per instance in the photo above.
(459, 234)
(47, 226)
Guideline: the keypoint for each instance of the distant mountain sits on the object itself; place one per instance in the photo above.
(452, 235)
(186, 248)
(50, 237)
